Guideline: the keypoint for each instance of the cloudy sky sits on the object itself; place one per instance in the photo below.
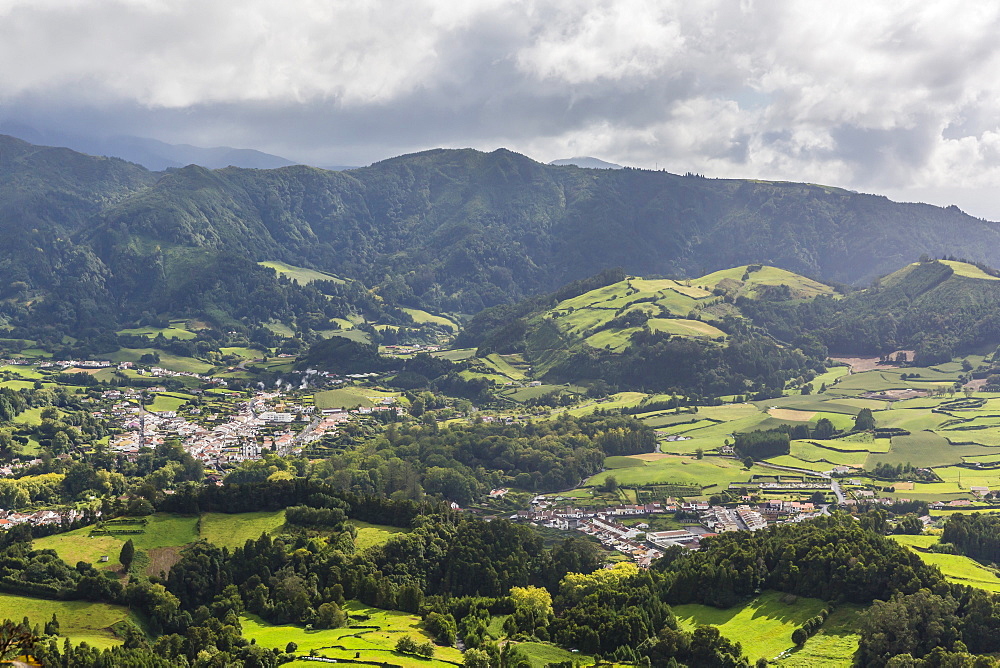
(899, 98)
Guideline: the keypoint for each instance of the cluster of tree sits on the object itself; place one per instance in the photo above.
(760, 444)
(662, 362)
(927, 308)
(905, 471)
(831, 558)
(461, 462)
(809, 627)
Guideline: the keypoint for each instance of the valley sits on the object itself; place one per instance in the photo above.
(247, 426)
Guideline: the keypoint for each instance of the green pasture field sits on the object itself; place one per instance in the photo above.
(18, 384)
(684, 470)
(245, 353)
(661, 419)
(805, 287)
(921, 541)
(762, 626)
(503, 367)
(795, 462)
(861, 442)
(925, 449)
(420, 317)
(681, 327)
(171, 332)
(370, 535)
(957, 568)
(835, 644)
(496, 378)
(168, 402)
(622, 462)
(969, 477)
(620, 400)
(969, 270)
(728, 412)
(911, 420)
(989, 437)
(281, 329)
(22, 371)
(32, 416)
(163, 530)
(813, 452)
(829, 377)
(542, 654)
(524, 393)
(78, 620)
(234, 530)
(456, 355)
(663, 284)
(615, 340)
(356, 335)
(33, 352)
(167, 360)
(377, 645)
(868, 381)
(301, 274)
(348, 397)
(683, 428)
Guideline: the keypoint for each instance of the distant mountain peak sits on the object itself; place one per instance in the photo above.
(586, 162)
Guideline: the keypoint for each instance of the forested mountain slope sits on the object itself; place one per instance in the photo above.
(450, 230)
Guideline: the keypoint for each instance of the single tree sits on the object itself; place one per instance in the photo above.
(127, 554)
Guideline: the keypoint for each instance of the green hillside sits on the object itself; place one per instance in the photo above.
(443, 231)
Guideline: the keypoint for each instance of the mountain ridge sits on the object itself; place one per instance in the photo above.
(449, 230)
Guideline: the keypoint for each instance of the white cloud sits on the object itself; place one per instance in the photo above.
(866, 95)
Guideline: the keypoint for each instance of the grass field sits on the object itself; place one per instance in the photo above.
(153, 332)
(833, 645)
(370, 535)
(763, 626)
(78, 620)
(233, 530)
(542, 654)
(373, 644)
(168, 402)
(349, 397)
(456, 355)
(163, 530)
(167, 360)
(955, 567)
(301, 274)
(421, 317)
(685, 470)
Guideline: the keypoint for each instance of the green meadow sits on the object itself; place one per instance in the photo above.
(80, 621)
(763, 626)
(377, 645)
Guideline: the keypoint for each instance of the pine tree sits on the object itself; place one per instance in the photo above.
(127, 554)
